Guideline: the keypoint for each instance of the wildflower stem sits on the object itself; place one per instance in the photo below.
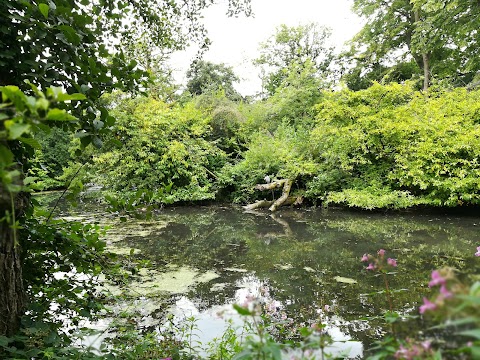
(387, 291)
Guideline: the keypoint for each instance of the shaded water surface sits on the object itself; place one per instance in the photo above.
(294, 260)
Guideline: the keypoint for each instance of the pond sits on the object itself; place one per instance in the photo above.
(204, 259)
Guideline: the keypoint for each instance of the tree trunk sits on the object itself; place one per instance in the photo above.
(426, 72)
(12, 295)
(287, 185)
(271, 186)
(425, 59)
(291, 200)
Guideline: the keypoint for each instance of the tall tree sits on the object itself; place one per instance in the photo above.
(205, 76)
(71, 45)
(294, 45)
(439, 36)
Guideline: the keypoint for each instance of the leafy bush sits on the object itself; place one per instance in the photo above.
(158, 146)
(280, 155)
(395, 147)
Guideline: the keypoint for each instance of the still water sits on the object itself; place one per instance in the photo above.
(204, 259)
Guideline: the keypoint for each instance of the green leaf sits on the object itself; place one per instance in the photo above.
(70, 34)
(54, 91)
(84, 88)
(15, 129)
(97, 124)
(44, 9)
(42, 104)
(29, 180)
(4, 341)
(245, 354)
(13, 188)
(6, 156)
(67, 97)
(275, 351)
(110, 120)
(35, 89)
(475, 333)
(241, 310)
(85, 140)
(31, 142)
(97, 142)
(14, 94)
(59, 115)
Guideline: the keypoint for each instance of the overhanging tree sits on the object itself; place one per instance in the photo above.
(440, 37)
(71, 45)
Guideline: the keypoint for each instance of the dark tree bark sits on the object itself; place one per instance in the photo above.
(12, 294)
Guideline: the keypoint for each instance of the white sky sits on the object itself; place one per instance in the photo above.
(235, 41)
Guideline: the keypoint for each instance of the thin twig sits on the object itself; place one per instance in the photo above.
(63, 193)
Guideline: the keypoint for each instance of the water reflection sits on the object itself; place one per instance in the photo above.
(212, 322)
(298, 254)
(296, 257)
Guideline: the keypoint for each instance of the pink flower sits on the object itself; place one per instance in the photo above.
(401, 353)
(370, 266)
(427, 305)
(381, 252)
(478, 251)
(437, 279)
(248, 300)
(327, 308)
(444, 292)
(426, 344)
(412, 350)
(364, 258)
(392, 262)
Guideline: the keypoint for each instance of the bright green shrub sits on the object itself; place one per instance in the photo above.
(293, 101)
(162, 145)
(281, 154)
(394, 147)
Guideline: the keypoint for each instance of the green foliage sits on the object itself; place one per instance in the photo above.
(363, 75)
(68, 49)
(226, 121)
(399, 147)
(294, 45)
(60, 289)
(281, 155)
(161, 146)
(205, 77)
(21, 116)
(392, 35)
(295, 96)
(388, 146)
(50, 161)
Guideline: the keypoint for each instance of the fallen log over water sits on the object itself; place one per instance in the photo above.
(284, 200)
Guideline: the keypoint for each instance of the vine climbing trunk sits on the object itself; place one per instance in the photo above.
(12, 294)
